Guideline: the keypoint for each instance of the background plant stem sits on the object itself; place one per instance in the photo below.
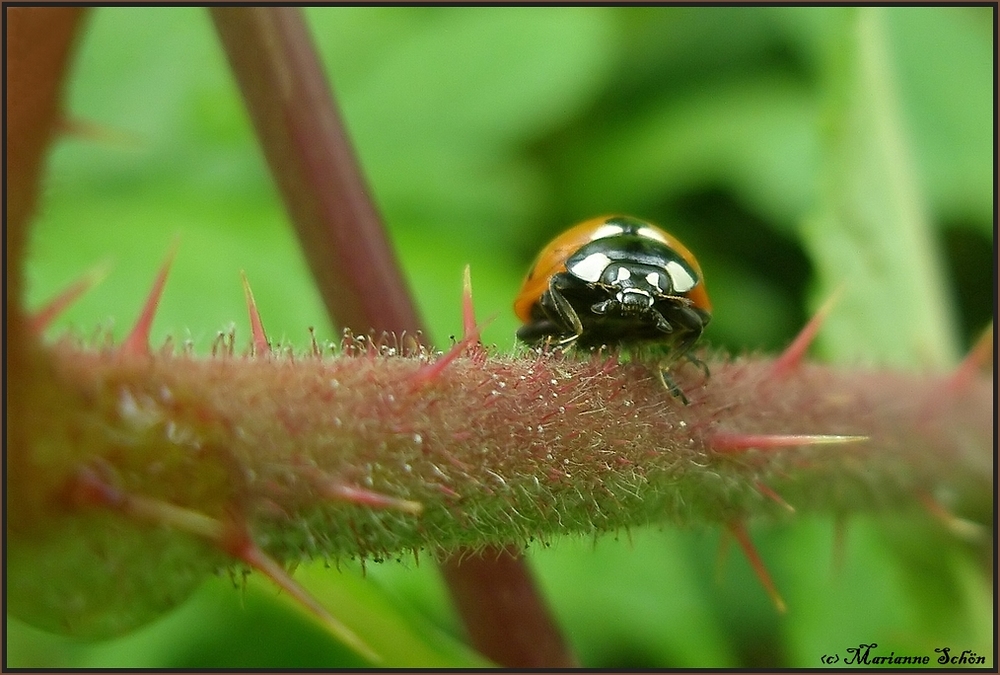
(343, 238)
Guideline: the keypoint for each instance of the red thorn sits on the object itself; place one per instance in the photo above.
(86, 488)
(739, 532)
(790, 359)
(725, 442)
(774, 497)
(468, 310)
(248, 552)
(960, 527)
(87, 130)
(44, 316)
(137, 342)
(375, 500)
(429, 372)
(978, 358)
(260, 343)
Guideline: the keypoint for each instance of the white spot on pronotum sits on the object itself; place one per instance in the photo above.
(650, 233)
(681, 278)
(606, 230)
(623, 274)
(591, 267)
(653, 279)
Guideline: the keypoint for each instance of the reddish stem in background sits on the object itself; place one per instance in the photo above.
(289, 99)
(300, 130)
(499, 603)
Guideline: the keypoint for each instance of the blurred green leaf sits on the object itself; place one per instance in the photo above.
(943, 62)
(484, 131)
(756, 136)
(872, 233)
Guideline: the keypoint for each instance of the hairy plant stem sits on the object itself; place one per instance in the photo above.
(287, 93)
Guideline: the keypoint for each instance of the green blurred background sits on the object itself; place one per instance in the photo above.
(484, 132)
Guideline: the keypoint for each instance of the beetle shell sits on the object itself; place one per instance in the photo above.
(614, 280)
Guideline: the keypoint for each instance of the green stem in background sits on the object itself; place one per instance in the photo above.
(872, 234)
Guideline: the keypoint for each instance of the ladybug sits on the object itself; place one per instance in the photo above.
(615, 281)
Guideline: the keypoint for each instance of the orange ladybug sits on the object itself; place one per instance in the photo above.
(614, 280)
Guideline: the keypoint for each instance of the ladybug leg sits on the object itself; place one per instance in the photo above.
(667, 380)
(662, 324)
(561, 312)
(694, 322)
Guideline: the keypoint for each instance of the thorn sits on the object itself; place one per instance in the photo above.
(790, 359)
(260, 343)
(77, 127)
(375, 500)
(88, 488)
(44, 316)
(137, 342)
(332, 489)
(774, 496)
(966, 530)
(739, 532)
(253, 556)
(980, 356)
(725, 442)
(468, 310)
(430, 371)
